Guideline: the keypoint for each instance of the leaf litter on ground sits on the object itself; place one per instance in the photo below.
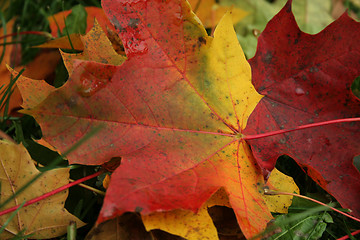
(137, 47)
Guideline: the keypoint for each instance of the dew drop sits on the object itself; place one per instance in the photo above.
(89, 84)
(299, 91)
(134, 42)
(178, 18)
(136, 47)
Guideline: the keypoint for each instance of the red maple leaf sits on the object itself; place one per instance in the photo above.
(306, 79)
(173, 111)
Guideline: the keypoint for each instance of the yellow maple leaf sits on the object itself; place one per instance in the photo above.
(45, 219)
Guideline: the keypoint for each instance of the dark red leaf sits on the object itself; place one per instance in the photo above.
(307, 79)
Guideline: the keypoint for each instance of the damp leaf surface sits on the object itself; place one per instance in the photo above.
(307, 79)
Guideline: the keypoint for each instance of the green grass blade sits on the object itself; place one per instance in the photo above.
(13, 214)
(5, 99)
(52, 165)
(3, 23)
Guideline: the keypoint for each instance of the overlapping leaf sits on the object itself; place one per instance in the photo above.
(41, 67)
(187, 224)
(312, 17)
(282, 183)
(101, 52)
(45, 219)
(98, 49)
(307, 79)
(57, 21)
(199, 225)
(173, 111)
(72, 38)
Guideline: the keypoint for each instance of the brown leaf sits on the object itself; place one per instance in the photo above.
(126, 227)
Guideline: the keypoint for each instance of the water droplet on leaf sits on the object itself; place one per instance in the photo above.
(90, 84)
(299, 91)
(178, 20)
(136, 47)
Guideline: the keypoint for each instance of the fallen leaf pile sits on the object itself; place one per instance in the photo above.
(181, 108)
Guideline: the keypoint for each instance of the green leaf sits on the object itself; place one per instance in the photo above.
(260, 12)
(76, 21)
(303, 228)
(312, 17)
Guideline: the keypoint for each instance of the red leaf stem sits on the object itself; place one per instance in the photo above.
(282, 131)
(347, 236)
(271, 192)
(53, 192)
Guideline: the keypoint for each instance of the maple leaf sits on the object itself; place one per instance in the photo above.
(199, 225)
(282, 183)
(101, 52)
(46, 219)
(173, 111)
(307, 79)
(28, 87)
(73, 40)
(187, 224)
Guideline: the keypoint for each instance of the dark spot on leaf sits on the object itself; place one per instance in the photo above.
(133, 22)
(71, 102)
(327, 141)
(202, 40)
(313, 69)
(267, 57)
(138, 209)
(117, 24)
